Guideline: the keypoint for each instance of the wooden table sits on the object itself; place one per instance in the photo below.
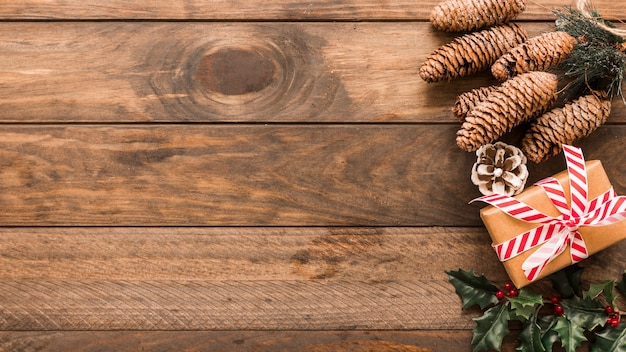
(238, 175)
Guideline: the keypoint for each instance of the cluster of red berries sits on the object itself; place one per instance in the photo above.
(557, 308)
(509, 291)
(613, 319)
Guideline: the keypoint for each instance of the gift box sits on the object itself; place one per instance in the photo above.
(546, 228)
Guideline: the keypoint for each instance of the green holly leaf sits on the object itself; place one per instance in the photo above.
(473, 289)
(613, 339)
(567, 281)
(621, 286)
(491, 328)
(530, 339)
(605, 288)
(584, 313)
(549, 337)
(571, 335)
(525, 304)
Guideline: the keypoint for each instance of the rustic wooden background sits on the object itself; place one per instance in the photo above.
(239, 175)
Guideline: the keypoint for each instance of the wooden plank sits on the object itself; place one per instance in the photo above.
(225, 72)
(115, 72)
(237, 175)
(228, 278)
(379, 254)
(185, 175)
(225, 341)
(252, 341)
(240, 341)
(351, 10)
(246, 278)
(241, 254)
(228, 305)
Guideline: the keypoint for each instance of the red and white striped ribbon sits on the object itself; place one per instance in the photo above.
(555, 234)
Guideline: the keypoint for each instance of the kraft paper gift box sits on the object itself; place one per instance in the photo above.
(503, 227)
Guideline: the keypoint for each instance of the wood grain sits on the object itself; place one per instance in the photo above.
(105, 72)
(237, 10)
(246, 278)
(185, 175)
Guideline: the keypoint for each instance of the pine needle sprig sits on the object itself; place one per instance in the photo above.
(594, 67)
(578, 24)
(598, 61)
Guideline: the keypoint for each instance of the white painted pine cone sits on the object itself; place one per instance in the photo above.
(500, 168)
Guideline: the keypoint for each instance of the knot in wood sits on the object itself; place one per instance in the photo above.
(235, 71)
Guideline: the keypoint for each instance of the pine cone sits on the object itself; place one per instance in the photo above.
(471, 53)
(470, 15)
(513, 102)
(500, 168)
(574, 121)
(466, 101)
(537, 54)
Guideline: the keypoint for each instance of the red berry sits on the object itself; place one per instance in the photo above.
(500, 294)
(614, 322)
(513, 292)
(508, 286)
(555, 300)
(609, 310)
(557, 310)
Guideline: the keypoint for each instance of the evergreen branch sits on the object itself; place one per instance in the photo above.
(598, 61)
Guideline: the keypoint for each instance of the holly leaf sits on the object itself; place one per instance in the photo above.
(584, 313)
(530, 339)
(621, 286)
(473, 289)
(613, 339)
(491, 328)
(567, 281)
(525, 303)
(549, 337)
(605, 288)
(571, 335)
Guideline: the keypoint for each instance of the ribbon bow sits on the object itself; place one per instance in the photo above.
(555, 234)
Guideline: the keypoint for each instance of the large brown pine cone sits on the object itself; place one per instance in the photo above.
(513, 102)
(466, 101)
(559, 126)
(470, 15)
(471, 53)
(537, 54)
